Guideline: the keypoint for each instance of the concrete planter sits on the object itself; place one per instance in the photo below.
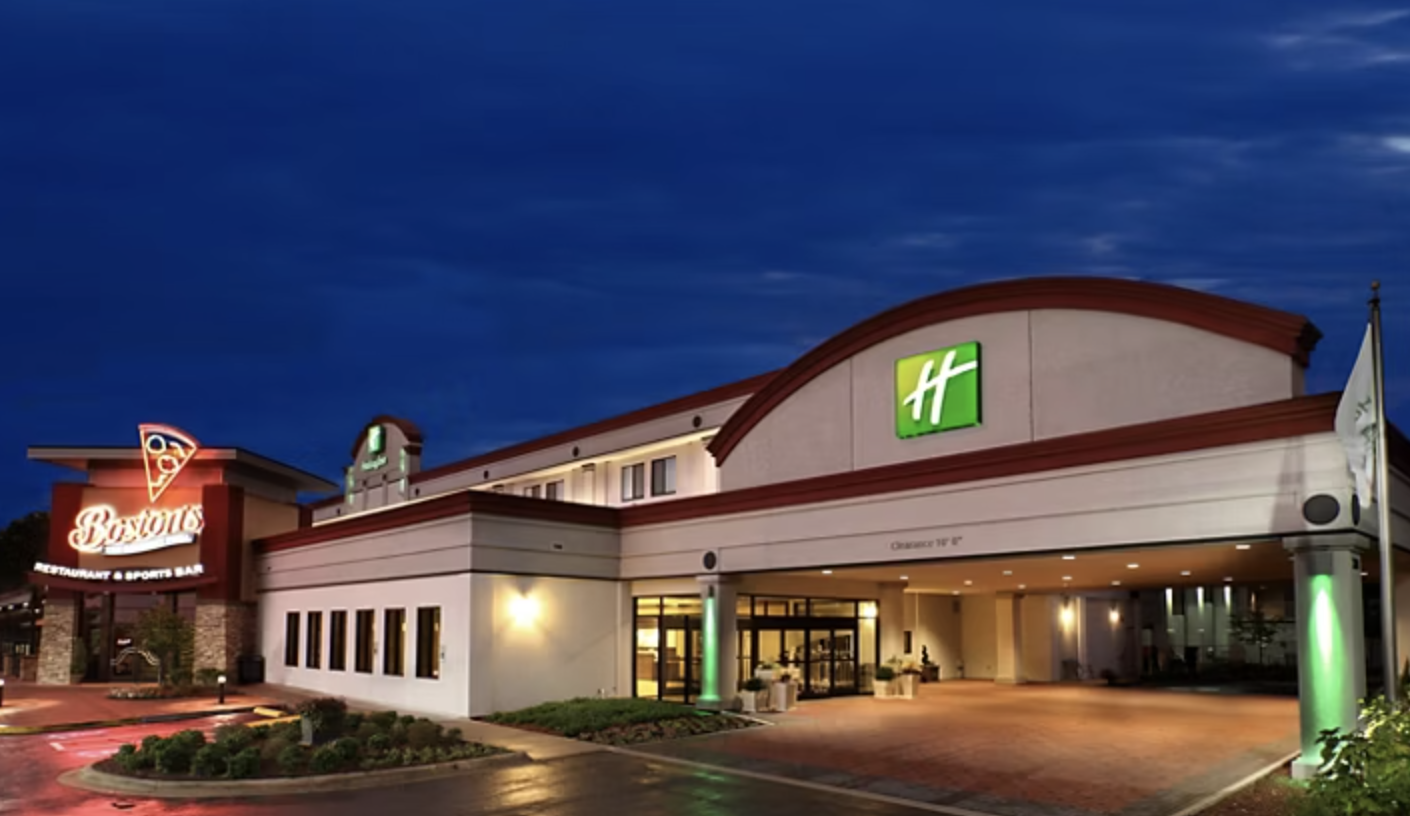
(749, 701)
(906, 685)
(781, 695)
(883, 689)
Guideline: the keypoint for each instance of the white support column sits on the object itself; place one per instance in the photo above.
(1008, 626)
(719, 642)
(1330, 642)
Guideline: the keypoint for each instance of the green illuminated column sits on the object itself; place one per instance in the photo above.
(1330, 640)
(719, 642)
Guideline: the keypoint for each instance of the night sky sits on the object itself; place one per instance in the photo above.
(266, 221)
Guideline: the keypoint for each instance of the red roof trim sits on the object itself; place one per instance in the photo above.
(1277, 420)
(702, 399)
(1290, 334)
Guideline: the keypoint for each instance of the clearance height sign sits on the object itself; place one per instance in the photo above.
(938, 391)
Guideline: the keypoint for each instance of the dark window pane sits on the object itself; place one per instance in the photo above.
(428, 642)
(338, 640)
(291, 639)
(366, 624)
(394, 633)
(315, 640)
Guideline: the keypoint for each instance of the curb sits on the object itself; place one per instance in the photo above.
(92, 780)
(26, 730)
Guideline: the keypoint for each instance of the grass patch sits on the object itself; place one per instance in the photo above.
(618, 721)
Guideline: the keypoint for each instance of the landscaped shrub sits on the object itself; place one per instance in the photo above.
(244, 765)
(1365, 773)
(126, 757)
(174, 756)
(273, 747)
(347, 748)
(291, 760)
(208, 677)
(328, 715)
(234, 738)
(379, 743)
(423, 734)
(383, 719)
(287, 731)
(367, 730)
(352, 722)
(398, 733)
(406, 720)
(210, 761)
(455, 735)
(150, 742)
(326, 760)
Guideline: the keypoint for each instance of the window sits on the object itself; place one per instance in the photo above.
(553, 491)
(366, 622)
(338, 640)
(394, 649)
(632, 482)
(428, 642)
(315, 640)
(532, 492)
(663, 476)
(291, 639)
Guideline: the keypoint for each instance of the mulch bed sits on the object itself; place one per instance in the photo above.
(1273, 795)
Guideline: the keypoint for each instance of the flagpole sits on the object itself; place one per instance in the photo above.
(1387, 552)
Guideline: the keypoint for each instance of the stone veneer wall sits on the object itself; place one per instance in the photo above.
(224, 632)
(56, 642)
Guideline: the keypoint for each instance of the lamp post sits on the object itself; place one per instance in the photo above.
(221, 682)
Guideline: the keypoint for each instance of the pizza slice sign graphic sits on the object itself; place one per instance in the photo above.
(165, 452)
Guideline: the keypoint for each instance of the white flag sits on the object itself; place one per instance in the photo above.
(1356, 423)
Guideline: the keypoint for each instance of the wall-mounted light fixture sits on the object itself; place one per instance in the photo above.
(1066, 614)
(867, 610)
(1115, 614)
(524, 609)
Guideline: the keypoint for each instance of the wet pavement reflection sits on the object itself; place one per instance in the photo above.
(601, 784)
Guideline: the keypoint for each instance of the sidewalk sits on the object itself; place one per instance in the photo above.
(536, 746)
(28, 705)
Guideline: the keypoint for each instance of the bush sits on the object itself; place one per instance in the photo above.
(326, 760)
(584, 716)
(273, 747)
(1364, 772)
(406, 720)
(209, 677)
(384, 720)
(234, 738)
(174, 756)
(381, 743)
(210, 761)
(423, 734)
(366, 731)
(398, 733)
(352, 722)
(455, 735)
(126, 757)
(287, 731)
(328, 715)
(348, 748)
(291, 759)
(244, 765)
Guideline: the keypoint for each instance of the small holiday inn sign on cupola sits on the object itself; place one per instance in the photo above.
(938, 391)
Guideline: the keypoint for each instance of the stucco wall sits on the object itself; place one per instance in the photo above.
(449, 695)
(1044, 373)
(937, 625)
(573, 642)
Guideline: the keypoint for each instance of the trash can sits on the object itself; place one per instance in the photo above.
(250, 669)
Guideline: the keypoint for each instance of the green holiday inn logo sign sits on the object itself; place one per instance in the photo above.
(937, 391)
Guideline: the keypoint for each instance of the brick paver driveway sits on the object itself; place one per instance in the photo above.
(1019, 750)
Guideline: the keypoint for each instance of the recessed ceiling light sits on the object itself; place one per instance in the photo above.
(969, 583)
(1069, 558)
(1365, 574)
(1008, 572)
(1116, 583)
(1228, 578)
(1022, 586)
(1242, 546)
(1067, 577)
(905, 577)
(1133, 566)
(956, 592)
(827, 572)
(1184, 572)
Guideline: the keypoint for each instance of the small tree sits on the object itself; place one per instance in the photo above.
(1254, 629)
(165, 634)
(22, 543)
